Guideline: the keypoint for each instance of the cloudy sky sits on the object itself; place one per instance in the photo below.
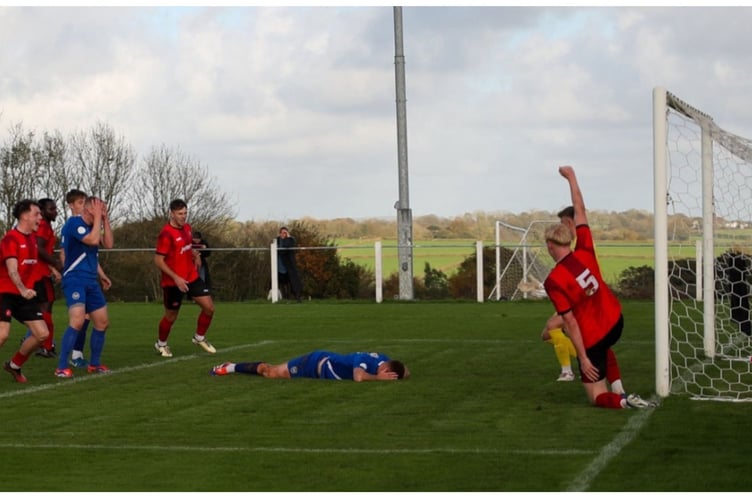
(293, 109)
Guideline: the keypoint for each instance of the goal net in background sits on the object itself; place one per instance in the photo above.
(523, 265)
(703, 254)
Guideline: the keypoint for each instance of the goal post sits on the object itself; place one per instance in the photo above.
(521, 271)
(660, 183)
(703, 254)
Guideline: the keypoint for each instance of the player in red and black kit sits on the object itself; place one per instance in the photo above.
(591, 312)
(176, 258)
(17, 296)
(48, 265)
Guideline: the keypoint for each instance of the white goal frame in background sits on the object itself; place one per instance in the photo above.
(702, 173)
(531, 257)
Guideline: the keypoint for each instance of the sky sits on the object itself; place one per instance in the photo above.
(293, 109)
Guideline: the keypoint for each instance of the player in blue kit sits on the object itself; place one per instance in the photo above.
(357, 366)
(81, 237)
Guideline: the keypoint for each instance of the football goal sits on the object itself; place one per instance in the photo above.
(703, 254)
(520, 274)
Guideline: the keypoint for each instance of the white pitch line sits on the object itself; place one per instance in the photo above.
(612, 449)
(118, 371)
(316, 451)
(171, 449)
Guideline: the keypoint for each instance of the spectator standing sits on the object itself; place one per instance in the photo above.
(287, 269)
(200, 244)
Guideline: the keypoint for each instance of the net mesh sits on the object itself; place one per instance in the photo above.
(524, 269)
(722, 372)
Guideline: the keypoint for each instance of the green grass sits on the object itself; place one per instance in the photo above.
(482, 411)
(445, 255)
(614, 256)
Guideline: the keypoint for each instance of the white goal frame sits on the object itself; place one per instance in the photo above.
(706, 281)
(528, 254)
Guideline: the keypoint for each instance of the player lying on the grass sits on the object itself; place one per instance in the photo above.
(357, 366)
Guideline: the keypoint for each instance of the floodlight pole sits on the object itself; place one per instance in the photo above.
(404, 213)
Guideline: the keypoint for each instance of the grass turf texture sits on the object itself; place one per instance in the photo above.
(614, 256)
(482, 411)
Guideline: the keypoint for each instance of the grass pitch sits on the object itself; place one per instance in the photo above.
(482, 411)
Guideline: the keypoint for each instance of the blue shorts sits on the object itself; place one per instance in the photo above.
(89, 295)
(306, 366)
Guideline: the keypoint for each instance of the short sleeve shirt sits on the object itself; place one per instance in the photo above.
(342, 366)
(46, 233)
(575, 284)
(81, 259)
(176, 245)
(22, 247)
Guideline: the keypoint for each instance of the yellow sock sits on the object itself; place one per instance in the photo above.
(562, 346)
(570, 347)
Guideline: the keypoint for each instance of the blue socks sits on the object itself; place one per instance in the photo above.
(249, 368)
(97, 344)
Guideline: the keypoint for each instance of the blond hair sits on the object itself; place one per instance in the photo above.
(559, 234)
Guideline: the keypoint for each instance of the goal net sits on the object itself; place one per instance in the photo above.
(523, 264)
(703, 254)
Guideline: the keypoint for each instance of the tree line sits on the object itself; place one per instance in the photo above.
(101, 163)
(631, 225)
(139, 188)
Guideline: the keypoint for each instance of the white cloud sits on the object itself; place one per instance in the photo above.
(298, 104)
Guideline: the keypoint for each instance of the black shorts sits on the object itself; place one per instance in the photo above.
(598, 353)
(13, 305)
(173, 297)
(45, 290)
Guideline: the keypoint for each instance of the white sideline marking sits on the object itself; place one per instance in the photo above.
(612, 449)
(275, 449)
(127, 369)
(581, 483)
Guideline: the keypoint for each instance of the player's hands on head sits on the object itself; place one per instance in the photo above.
(387, 375)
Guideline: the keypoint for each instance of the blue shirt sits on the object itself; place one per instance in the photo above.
(342, 366)
(335, 366)
(81, 260)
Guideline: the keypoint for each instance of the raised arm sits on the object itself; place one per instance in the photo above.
(580, 217)
(108, 239)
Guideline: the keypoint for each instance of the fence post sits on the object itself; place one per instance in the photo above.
(378, 271)
(275, 281)
(479, 268)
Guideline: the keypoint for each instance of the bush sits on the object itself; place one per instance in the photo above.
(463, 284)
(636, 283)
(436, 283)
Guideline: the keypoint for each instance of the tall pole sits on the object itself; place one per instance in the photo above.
(404, 213)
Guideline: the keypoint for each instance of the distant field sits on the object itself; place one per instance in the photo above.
(614, 256)
(441, 254)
